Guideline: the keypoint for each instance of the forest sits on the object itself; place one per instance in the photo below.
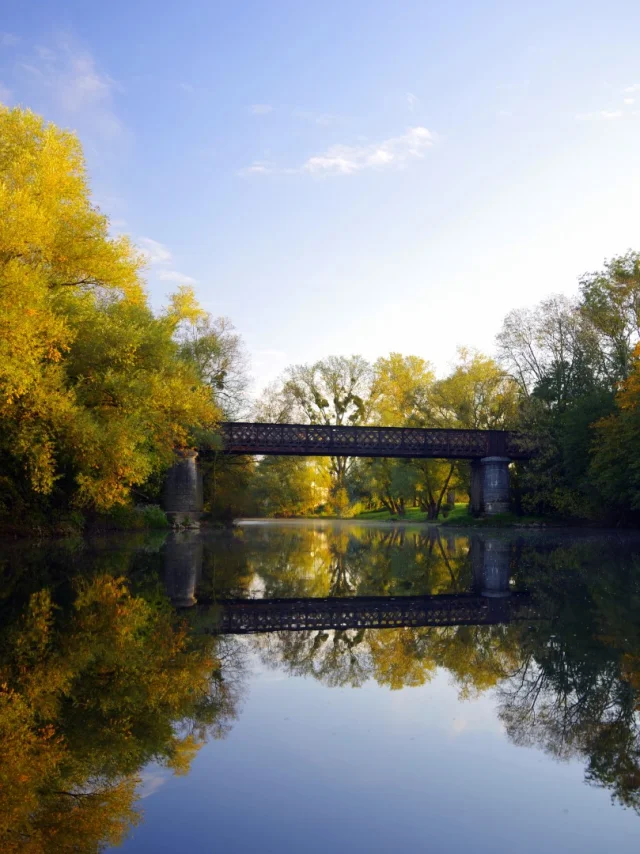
(98, 391)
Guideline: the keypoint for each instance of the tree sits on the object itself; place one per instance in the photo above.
(615, 464)
(220, 358)
(93, 394)
(555, 355)
(611, 303)
(552, 351)
(477, 395)
(400, 390)
(331, 391)
(290, 486)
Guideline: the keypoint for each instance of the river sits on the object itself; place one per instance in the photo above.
(321, 686)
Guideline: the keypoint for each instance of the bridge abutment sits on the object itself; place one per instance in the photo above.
(182, 495)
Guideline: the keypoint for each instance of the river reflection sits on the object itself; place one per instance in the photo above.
(118, 656)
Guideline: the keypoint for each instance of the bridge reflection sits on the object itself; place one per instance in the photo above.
(490, 600)
(251, 616)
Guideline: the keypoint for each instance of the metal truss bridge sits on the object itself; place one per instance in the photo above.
(307, 440)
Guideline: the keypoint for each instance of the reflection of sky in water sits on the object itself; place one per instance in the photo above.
(309, 769)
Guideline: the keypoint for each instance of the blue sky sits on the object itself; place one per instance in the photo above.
(348, 176)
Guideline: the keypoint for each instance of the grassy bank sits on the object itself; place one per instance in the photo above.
(459, 517)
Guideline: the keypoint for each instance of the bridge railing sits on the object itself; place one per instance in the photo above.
(331, 440)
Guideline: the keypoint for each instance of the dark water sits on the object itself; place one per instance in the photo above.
(310, 687)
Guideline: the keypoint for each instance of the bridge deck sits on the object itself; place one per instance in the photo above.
(326, 440)
(250, 616)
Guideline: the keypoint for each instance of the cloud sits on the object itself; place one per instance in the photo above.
(411, 100)
(150, 781)
(505, 113)
(175, 276)
(395, 152)
(347, 159)
(158, 255)
(629, 100)
(68, 75)
(5, 94)
(154, 251)
(600, 115)
(629, 90)
(9, 40)
(260, 109)
(258, 167)
(185, 87)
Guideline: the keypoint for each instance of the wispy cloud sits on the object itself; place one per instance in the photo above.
(5, 94)
(185, 87)
(258, 167)
(175, 276)
(629, 101)
(260, 109)
(69, 76)
(412, 100)
(600, 115)
(629, 90)
(395, 152)
(158, 255)
(154, 251)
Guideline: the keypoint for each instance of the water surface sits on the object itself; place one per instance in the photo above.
(236, 691)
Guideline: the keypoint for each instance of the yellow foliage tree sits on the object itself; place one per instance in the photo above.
(93, 394)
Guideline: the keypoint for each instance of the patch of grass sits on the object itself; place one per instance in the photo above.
(413, 514)
(460, 517)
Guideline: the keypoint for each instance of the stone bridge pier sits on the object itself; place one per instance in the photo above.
(489, 492)
(182, 495)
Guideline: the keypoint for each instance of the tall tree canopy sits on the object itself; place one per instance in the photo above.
(94, 395)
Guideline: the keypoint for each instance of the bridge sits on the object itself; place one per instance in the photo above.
(489, 451)
(253, 616)
(320, 440)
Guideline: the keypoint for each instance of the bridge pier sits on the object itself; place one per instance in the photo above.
(182, 496)
(491, 566)
(495, 485)
(489, 492)
(182, 567)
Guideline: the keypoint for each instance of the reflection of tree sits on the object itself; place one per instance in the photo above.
(577, 690)
(91, 690)
(355, 561)
(569, 683)
(477, 656)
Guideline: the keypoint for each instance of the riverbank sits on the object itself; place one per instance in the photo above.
(458, 517)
